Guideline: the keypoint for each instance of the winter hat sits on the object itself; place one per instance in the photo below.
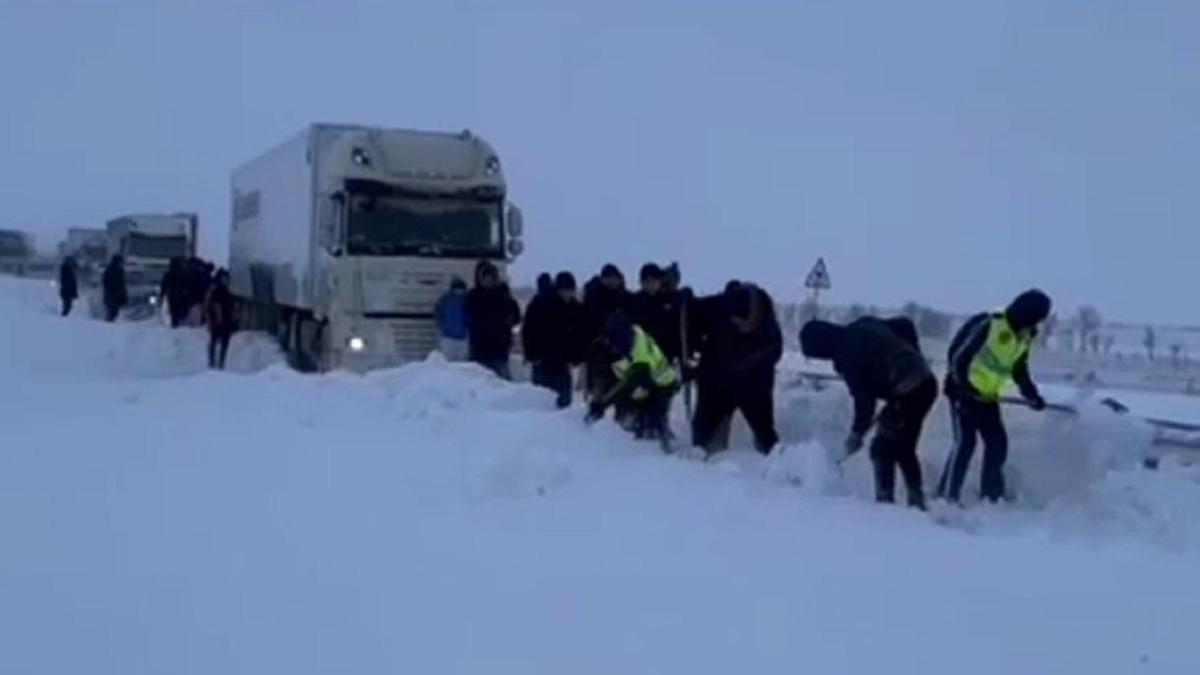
(564, 281)
(458, 284)
(610, 270)
(545, 283)
(820, 339)
(1028, 310)
(650, 271)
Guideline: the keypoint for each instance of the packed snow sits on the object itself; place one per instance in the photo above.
(161, 518)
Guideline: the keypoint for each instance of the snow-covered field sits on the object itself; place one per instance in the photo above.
(159, 518)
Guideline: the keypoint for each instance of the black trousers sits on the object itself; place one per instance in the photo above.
(973, 419)
(556, 378)
(66, 305)
(717, 400)
(895, 443)
(111, 312)
(178, 312)
(218, 348)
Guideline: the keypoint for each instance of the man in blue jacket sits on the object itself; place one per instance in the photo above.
(451, 314)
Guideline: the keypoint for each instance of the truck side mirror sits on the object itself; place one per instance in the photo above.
(331, 212)
(514, 221)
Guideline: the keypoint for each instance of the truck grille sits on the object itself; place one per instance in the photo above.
(413, 340)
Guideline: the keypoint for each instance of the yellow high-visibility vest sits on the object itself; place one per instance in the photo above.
(992, 368)
(646, 351)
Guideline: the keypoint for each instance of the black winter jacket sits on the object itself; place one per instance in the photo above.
(116, 294)
(492, 313)
(600, 303)
(658, 315)
(729, 356)
(877, 359)
(552, 333)
(68, 282)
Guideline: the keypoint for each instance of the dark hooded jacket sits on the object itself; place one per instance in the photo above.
(1025, 313)
(492, 313)
(731, 356)
(552, 333)
(599, 304)
(658, 315)
(877, 359)
(116, 293)
(68, 279)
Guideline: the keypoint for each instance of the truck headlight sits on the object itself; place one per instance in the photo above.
(153, 300)
(356, 344)
(492, 166)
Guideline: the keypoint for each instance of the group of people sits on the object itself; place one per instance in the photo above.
(636, 349)
(881, 360)
(190, 287)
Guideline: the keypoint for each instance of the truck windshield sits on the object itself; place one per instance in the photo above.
(427, 227)
(152, 246)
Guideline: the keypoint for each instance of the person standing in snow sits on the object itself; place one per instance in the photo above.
(739, 342)
(218, 314)
(175, 291)
(603, 296)
(552, 338)
(644, 379)
(988, 352)
(881, 360)
(116, 293)
(653, 308)
(68, 283)
(451, 315)
(492, 313)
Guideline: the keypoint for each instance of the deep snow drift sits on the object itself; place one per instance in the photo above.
(158, 518)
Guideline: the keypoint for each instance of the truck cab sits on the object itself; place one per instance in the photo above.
(148, 242)
(393, 217)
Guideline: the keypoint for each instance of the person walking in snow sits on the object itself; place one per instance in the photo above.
(116, 293)
(68, 283)
(737, 336)
(218, 315)
(552, 336)
(492, 313)
(988, 352)
(451, 315)
(644, 379)
(175, 291)
(881, 360)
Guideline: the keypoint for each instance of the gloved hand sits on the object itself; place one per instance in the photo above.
(1036, 402)
(595, 412)
(854, 443)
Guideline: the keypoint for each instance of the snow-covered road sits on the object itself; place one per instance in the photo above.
(158, 518)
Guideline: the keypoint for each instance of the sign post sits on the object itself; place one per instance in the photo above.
(818, 280)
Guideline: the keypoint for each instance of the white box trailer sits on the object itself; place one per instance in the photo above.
(344, 237)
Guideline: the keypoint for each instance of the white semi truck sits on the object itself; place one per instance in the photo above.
(344, 237)
(148, 242)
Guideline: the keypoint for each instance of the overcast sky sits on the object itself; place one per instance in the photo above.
(949, 152)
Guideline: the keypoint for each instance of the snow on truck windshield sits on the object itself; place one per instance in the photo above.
(414, 226)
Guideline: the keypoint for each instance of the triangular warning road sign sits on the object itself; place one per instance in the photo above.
(818, 278)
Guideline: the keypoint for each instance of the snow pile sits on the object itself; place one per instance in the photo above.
(431, 519)
(49, 347)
